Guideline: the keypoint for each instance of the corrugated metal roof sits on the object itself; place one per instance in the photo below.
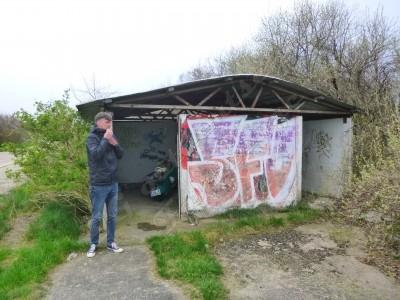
(246, 93)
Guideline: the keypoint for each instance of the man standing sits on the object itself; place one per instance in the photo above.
(103, 152)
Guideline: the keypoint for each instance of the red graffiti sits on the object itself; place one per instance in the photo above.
(277, 177)
(217, 180)
(231, 162)
(247, 170)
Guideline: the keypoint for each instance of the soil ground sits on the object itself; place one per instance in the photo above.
(315, 261)
(6, 163)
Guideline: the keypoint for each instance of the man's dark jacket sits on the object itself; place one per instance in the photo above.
(102, 158)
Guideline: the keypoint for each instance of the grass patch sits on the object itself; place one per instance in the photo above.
(16, 200)
(4, 253)
(186, 257)
(303, 215)
(54, 234)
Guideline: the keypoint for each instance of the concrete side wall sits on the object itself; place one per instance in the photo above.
(145, 144)
(327, 154)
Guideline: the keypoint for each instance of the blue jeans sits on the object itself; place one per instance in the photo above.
(100, 194)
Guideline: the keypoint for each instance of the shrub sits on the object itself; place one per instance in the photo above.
(53, 156)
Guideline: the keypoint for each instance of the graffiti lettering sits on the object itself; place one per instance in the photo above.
(241, 162)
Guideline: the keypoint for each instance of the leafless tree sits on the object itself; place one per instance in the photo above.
(10, 129)
(92, 90)
(353, 56)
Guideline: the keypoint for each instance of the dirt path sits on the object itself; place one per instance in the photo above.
(19, 226)
(6, 162)
(316, 261)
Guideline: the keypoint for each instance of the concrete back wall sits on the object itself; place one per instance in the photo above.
(145, 144)
(327, 154)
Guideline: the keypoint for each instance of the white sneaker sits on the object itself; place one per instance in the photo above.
(92, 251)
(114, 248)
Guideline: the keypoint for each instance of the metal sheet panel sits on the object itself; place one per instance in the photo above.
(238, 161)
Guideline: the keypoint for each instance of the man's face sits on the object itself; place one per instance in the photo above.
(104, 124)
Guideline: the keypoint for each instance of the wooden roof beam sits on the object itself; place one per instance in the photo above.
(238, 96)
(180, 99)
(174, 92)
(257, 97)
(230, 109)
(209, 97)
(316, 100)
(300, 105)
(280, 99)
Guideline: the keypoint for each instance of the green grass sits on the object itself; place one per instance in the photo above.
(4, 253)
(54, 234)
(186, 256)
(302, 215)
(16, 200)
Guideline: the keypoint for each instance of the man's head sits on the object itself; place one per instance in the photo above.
(103, 120)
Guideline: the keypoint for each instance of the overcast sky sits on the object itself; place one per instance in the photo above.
(129, 46)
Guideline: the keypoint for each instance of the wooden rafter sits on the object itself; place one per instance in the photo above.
(179, 92)
(316, 100)
(180, 99)
(280, 99)
(252, 89)
(300, 105)
(257, 97)
(238, 96)
(209, 96)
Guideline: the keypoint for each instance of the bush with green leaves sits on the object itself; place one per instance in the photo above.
(53, 156)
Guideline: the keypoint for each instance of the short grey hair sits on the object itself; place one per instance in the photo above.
(103, 115)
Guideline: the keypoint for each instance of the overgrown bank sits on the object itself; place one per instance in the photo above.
(50, 238)
(52, 160)
(373, 202)
(53, 156)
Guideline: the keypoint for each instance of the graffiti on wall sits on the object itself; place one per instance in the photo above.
(153, 142)
(235, 161)
(321, 142)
